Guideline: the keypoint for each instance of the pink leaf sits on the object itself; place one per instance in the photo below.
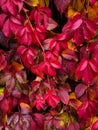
(6, 28)
(76, 24)
(2, 17)
(83, 64)
(94, 65)
(21, 49)
(52, 24)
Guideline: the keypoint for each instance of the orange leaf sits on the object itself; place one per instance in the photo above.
(17, 66)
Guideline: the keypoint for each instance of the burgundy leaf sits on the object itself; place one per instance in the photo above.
(61, 5)
(63, 95)
(73, 126)
(21, 76)
(25, 108)
(3, 61)
(38, 121)
(80, 90)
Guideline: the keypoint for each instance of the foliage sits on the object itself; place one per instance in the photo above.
(49, 64)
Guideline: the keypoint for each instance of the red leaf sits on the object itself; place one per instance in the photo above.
(95, 125)
(37, 70)
(93, 2)
(83, 64)
(47, 68)
(94, 65)
(24, 35)
(21, 49)
(55, 64)
(27, 55)
(41, 16)
(78, 36)
(51, 98)
(11, 6)
(39, 102)
(87, 110)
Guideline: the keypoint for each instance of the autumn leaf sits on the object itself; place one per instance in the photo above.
(25, 108)
(63, 95)
(17, 66)
(64, 4)
(44, 3)
(51, 98)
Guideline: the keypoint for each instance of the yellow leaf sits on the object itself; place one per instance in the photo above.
(24, 105)
(77, 5)
(1, 90)
(94, 119)
(61, 123)
(72, 96)
(35, 2)
(1, 93)
(71, 12)
(44, 3)
(71, 45)
(4, 118)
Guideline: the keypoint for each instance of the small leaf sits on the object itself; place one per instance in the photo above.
(17, 66)
(62, 4)
(1, 93)
(52, 24)
(44, 3)
(25, 108)
(35, 2)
